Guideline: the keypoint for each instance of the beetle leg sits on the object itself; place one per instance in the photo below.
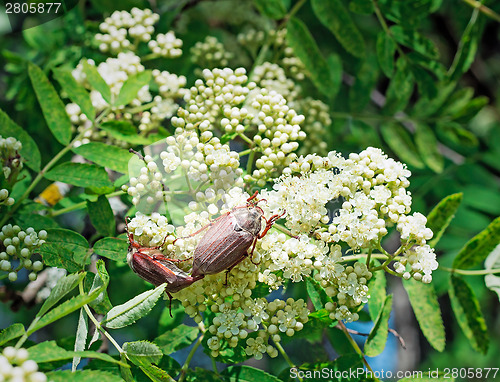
(232, 266)
(170, 305)
(270, 222)
(251, 252)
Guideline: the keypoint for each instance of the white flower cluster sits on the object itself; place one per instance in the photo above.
(10, 159)
(294, 68)
(316, 123)
(201, 159)
(210, 53)
(123, 30)
(295, 257)
(5, 199)
(419, 256)
(218, 91)
(272, 77)
(16, 367)
(115, 71)
(19, 248)
(166, 45)
(237, 314)
(252, 39)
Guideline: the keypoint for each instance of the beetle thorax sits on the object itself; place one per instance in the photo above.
(249, 219)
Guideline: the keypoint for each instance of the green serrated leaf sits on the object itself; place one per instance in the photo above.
(64, 285)
(441, 215)
(479, 247)
(452, 132)
(11, 332)
(177, 338)
(425, 82)
(96, 81)
(62, 310)
(143, 353)
(399, 140)
(52, 107)
(275, 9)
(414, 40)
(425, 305)
(76, 92)
(65, 249)
(427, 145)
(335, 67)
(305, 48)
(82, 376)
(337, 19)
(81, 337)
(101, 304)
(112, 157)
(112, 248)
(366, 78)
(101, 215)
(492, 281)
(29, 151)
(131, 87)
(313, 294)
(375, 343)
(80, 174)
(468, 314)
(467, 48)
(156, 374)
(247, 373)
(483, 199)
(400, 88)
(386, 48)
(125, 131)
(129, 312)
(364, 7)
(377, 292)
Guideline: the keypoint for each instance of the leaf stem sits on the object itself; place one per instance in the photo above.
(80, 205)
(285, 356)
(189, 357)
(97, 323)
(478, 272)
(483, 9)
(355, 347)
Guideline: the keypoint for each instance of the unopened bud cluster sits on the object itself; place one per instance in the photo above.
(122, 31)
(10, 159)
(316, 125)
(272, 77)
(16, 367)
(5, 199)
(210, 53)
(17, 248)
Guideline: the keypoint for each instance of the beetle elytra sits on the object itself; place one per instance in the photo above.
(229, 237)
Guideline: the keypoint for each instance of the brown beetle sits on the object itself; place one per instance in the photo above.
(229, 237)
(151, 265)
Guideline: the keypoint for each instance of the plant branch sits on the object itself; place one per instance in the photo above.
(466, 272)
(483, 9)
(355, 346)
(189, 357)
